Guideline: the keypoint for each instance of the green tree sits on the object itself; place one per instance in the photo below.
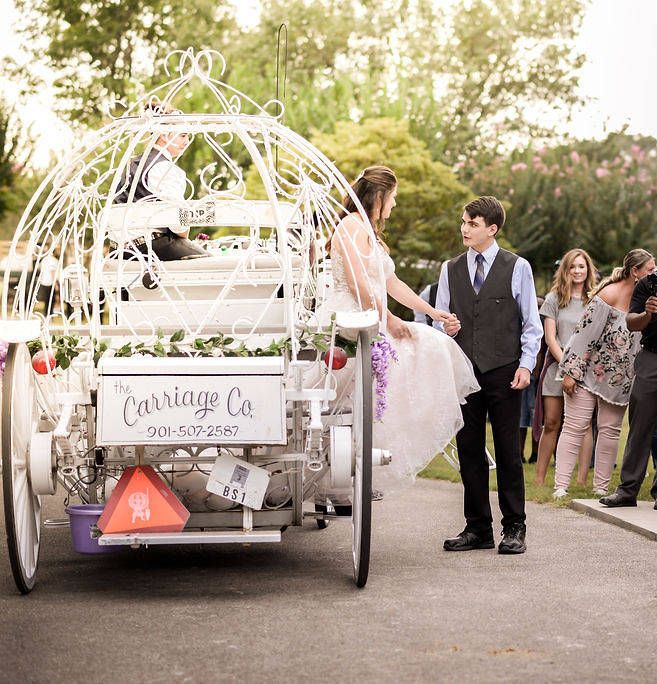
(15, 146)
(502, 65)
(101, 51)
(468, 77)
(465, 77)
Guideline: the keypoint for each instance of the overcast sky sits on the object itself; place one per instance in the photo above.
(619, 38)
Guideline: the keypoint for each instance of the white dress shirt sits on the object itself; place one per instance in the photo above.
(420, 316)
(167, 182)
(523, 291)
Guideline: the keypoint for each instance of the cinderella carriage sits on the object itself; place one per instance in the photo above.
(218, 370)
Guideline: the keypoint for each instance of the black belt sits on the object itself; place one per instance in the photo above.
(650, 348)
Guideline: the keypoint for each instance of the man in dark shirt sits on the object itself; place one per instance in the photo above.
(643, 399)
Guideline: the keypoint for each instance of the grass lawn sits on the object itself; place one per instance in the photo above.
(439, 469)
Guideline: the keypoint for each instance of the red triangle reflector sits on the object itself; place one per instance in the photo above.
(142, 502)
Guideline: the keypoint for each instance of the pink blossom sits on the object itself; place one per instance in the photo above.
(557, 192)
(575, 157)
(601, 172)
(631, 180)
(520, 166)
(635, 149)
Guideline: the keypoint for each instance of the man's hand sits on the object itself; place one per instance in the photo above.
(520, 379)
(451, 325)
(569, 385)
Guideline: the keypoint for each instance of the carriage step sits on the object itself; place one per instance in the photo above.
(211, 537)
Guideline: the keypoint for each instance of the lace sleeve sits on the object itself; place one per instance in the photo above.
(585, 344)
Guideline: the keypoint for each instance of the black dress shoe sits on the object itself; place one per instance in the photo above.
(655, 506)
(467, 541)
(616, 500)
(533, 458)
(513, 539)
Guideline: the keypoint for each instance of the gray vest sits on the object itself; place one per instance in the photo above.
(490, 321)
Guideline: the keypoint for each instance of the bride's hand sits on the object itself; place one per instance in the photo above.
(451, 324)
(398, 328)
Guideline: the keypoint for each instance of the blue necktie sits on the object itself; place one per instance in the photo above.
(479, 273)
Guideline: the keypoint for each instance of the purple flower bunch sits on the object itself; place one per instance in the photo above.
(4, 346)
(202, 237)
(382, 354)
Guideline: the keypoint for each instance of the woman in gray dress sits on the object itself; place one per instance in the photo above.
(561, 311)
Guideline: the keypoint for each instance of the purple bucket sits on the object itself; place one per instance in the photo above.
(83, 518)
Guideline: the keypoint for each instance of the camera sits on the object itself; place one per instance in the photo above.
(651, 279)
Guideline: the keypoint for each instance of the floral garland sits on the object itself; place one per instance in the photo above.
(382, 354)
(4, 346)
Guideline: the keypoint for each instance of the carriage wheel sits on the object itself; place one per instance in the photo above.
(22, 506)
(362, 434)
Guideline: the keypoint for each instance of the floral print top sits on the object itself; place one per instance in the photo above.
(600, 354)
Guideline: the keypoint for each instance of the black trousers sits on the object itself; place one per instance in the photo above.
(169, 247)
(643, 420)
(502, 404)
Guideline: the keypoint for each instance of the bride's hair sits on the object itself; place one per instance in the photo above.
(372, 184)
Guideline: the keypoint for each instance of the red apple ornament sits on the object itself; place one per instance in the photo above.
(339, 358)
(41, 360)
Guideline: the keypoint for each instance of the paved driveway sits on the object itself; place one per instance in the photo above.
(580, 605)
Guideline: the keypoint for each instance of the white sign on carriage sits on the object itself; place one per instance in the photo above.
(146, 400)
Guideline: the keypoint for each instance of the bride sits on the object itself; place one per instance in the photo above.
(432, 376)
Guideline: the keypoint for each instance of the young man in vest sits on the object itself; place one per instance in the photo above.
(492, 293)
(155, 175)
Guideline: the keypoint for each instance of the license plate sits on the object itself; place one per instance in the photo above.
(238, 481)
(159, 407)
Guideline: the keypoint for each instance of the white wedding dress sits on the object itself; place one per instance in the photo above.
(426, 386)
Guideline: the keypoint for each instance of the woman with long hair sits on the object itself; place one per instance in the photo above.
(432, 376)
(562, 309)
(597, 369)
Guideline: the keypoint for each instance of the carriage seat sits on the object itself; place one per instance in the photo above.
(127, 222)
(239, 287)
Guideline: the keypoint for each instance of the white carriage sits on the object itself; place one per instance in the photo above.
(192, 364)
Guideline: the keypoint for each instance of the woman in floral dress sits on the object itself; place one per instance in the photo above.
(597, 368)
